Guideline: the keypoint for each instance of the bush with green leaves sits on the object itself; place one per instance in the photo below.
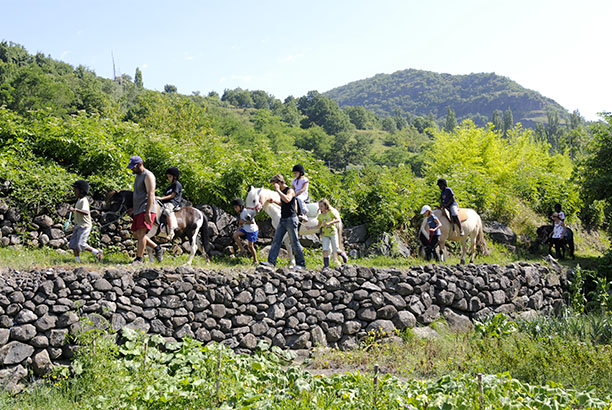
(489, 172)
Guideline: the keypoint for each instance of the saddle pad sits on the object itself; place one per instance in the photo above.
(463, 216)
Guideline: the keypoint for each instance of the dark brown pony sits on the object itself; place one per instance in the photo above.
(189, 221)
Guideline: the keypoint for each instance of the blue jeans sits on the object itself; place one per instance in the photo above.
(289, 226)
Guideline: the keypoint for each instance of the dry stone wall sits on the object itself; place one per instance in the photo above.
(294, 309)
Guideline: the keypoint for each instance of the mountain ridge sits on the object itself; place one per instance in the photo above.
(419, 92)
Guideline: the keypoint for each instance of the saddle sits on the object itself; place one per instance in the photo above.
(463, 216)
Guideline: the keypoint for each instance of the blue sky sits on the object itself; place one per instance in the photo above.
(560, 48)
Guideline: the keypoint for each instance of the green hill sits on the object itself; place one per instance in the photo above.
(474, 96)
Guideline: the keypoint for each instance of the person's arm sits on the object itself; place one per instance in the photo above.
(304, 188)
(150, 186)
(81, 211)
(438, 225)
(286, 198)
(333, 221)
(165, 198)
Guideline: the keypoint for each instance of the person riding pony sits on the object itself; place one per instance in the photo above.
(448, 202)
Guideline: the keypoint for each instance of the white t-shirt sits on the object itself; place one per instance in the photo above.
(298, 184)
(248, 215)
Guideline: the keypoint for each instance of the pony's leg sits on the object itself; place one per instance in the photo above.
(194, 248)
(442, 246)
(472, 247)
(463, 250)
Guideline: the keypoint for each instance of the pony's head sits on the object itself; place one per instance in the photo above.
(253, 200)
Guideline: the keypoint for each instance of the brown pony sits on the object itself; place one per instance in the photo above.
(189, 222)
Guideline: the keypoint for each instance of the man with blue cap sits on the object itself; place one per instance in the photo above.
(143, 210)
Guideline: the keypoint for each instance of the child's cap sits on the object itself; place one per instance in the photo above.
(425, 209)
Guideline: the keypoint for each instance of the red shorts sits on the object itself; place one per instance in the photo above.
(139, 222)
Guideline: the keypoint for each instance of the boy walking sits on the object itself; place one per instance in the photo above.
(247, 228)
(82, 223)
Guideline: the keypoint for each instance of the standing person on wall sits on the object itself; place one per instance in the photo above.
(143, 211)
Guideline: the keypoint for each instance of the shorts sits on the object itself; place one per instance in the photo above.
(79, 237)
(249, 236)
(167, 208)
(330, 243)
(139, 222)
(454, 210)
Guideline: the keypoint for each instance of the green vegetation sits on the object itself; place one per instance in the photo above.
(148, 373)
(425, 93)
(569, 351)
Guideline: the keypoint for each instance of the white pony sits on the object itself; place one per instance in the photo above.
(472, 227)
(257, 200)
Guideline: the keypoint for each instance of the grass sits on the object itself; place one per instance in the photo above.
(560, 351)
(26, 259)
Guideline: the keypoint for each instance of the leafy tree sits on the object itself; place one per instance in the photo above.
(261, 100)
(424, 123)
(213, 94)
(238, 98)
(360, 117)
(508, 121)
(169, 88)
(289, 112)
(138, 78)
(594, 173)
(553, 129)
(400, 119)
(315, 139)
(497, 121)
(451, 121)
(389, 124)
(323, 112)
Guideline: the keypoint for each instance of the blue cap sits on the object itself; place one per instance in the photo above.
(135, 160)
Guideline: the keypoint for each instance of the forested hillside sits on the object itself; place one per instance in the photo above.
(59, 123)
(482, 97)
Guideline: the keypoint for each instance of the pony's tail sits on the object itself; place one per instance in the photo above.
(205, 238)
(482, 244)
(336, 214)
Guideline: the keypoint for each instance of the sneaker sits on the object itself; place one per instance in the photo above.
(159, 253)
(462, 233)
(136, 262)
(266, 263)
(344, 257)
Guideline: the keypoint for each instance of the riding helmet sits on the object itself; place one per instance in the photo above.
(442, 182)
(82, 186)
(299, 168)
(238, 202)
(174, 171)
